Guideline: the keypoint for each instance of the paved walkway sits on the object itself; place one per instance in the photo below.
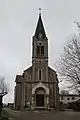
(43, 115)
(13, 114)
(11, 119)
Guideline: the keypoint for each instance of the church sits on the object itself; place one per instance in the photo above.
(37, 87)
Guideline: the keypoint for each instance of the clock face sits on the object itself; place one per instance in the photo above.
(40, 35)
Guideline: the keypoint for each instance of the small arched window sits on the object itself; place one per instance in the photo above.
(40, 74)
(38, 50)
(42, 50)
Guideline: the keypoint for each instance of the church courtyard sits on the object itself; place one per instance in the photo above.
(43, 115)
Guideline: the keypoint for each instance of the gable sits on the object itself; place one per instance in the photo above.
(28, 69)
(52, 76)
(50, 69)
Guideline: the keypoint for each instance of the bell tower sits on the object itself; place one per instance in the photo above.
(40, 53)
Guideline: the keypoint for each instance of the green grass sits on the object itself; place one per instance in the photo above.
(4, 115)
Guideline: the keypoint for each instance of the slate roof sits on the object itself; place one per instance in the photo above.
(40, 28)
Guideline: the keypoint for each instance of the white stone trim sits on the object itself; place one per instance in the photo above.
(40, 85)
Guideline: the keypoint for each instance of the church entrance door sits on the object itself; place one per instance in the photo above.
(39, 100)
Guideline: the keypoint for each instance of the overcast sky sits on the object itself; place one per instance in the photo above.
(18, 19)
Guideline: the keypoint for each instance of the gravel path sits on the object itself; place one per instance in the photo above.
(43, 115)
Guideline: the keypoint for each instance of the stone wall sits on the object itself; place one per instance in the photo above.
(18, 91)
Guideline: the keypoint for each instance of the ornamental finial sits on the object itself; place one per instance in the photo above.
(40, 11)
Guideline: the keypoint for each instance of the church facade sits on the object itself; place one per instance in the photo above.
(37, 87)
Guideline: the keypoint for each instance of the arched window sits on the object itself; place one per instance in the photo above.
(38, 50)
(42, 50)
(40, 74)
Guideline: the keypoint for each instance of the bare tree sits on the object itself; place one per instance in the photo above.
(69, 63)
(3, 91)
(3, 86)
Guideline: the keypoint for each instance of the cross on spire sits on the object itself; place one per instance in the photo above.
(40, 11)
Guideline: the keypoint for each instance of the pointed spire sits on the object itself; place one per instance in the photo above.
(40, 27)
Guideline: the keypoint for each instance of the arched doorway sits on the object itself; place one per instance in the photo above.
(40, 97)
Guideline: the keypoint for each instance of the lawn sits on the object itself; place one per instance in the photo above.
(4, 115)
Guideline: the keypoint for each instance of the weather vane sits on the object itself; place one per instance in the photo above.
(40, 11)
